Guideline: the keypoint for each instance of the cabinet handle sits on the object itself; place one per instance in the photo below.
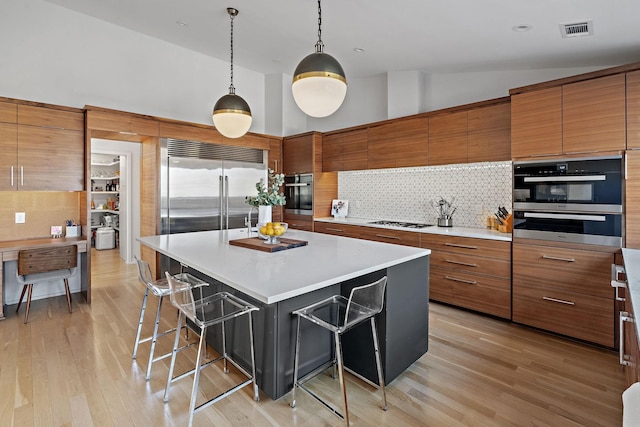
(468, 264)
(335, 229)
(616, 270)
(387, 237)
(12, 175)
(554, 258)
(455, 245)
(275, 166)
(624, 317)
(22, 176)
(455, 279)
(561, 301)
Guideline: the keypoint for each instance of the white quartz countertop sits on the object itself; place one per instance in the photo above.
(478, 233)
(632, 268)
(271, 277)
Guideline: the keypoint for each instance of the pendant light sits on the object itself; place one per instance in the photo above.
(319, 83)
(231, 114)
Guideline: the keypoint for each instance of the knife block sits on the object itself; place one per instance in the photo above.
(507, 225)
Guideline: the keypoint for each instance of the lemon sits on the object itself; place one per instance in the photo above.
(263, 230)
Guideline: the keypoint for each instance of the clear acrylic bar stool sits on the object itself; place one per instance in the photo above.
(159, 288)
(339, 314)
(204, 312)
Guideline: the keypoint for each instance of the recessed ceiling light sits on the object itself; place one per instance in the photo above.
(358, 49)
(182, 24)
(522, 28)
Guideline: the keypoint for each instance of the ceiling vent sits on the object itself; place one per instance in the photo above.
(577, 29)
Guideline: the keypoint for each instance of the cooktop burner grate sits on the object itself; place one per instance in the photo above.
(401, 224)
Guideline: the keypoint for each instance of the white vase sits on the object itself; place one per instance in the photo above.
(264, 214)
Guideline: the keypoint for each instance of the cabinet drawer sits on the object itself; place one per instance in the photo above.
(489, 295)
(299, 224)
(570, 270)
(467, 245)
(337, 229)
(580, 316)
(48, 117)
(408, 238)
(471, 263)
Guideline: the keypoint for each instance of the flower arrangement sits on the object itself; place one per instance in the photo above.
(269, 194)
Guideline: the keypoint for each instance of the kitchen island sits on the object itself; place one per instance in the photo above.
(283, 281)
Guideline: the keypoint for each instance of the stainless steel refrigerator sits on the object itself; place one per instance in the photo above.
(204, 186)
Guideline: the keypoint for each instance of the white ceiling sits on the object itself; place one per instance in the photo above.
(433, 36)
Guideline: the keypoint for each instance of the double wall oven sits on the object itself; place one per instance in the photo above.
(298, 191)
(576, 200)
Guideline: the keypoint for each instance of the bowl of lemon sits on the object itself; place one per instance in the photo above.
(271, 231)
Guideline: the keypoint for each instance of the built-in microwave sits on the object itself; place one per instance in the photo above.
(576, 200)
(298, 191)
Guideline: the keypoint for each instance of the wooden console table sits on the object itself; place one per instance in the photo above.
(9, 252)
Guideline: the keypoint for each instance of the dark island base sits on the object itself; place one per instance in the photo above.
(403, 328)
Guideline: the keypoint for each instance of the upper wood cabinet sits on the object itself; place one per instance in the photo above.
(633, 110)
(8, 112)
(44, 151)
(9, 157)
(536, 123)
(275, 155)
(489, 133)
(448, 138)
(632, 200)
(297, 154)
(401, 143)
(593, 115)
(343, 151)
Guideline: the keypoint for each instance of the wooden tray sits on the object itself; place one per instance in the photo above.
(259, 244)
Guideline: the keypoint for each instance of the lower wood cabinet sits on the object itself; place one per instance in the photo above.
(398, 237)
(471, 273)
(299, 222)
(564, 290)
(337, 229)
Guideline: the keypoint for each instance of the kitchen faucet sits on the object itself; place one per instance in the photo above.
(247, 221)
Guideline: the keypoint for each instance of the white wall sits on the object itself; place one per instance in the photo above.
(54, 55)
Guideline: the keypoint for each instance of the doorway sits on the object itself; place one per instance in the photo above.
(129, 154)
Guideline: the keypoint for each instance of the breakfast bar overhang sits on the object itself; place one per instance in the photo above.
(283, 281)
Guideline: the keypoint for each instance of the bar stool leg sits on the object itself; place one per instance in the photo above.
(296, 356)
(142, 310)
(224, 340)
(173, 357)
(24, 289)
(154, 338)
(196, 377)
(376, 348)
(66, 287)
(256, 395)
(26, 313)
(341, 376)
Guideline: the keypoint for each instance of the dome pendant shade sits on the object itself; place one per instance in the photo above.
(232, 116)
(319, 85)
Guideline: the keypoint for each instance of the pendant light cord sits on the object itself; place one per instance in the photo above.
(232, 89)
(319, 43)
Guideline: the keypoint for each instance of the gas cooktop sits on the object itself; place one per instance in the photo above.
(401, 224)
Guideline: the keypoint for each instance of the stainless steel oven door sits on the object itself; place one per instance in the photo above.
(299, 194)
(588, 228)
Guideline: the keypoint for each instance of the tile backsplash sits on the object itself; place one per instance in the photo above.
(407, 194)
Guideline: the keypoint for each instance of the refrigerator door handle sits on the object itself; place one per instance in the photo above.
(221, 192)
(226, 198)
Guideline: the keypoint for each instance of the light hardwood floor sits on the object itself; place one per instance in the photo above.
(76, 369)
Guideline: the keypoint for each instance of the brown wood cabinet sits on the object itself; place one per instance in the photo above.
(632, 199)
(401, 143)
(470, 273)
(489, 133)
(343, 151)
(8, 112)
(593, 115)
(448, 138)
(536, 123)
(630, 351)
(297, 154)
(344, 230)
(299, 222)
(398, 237)
(44, 151)
(633, 110)
(564, 290)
